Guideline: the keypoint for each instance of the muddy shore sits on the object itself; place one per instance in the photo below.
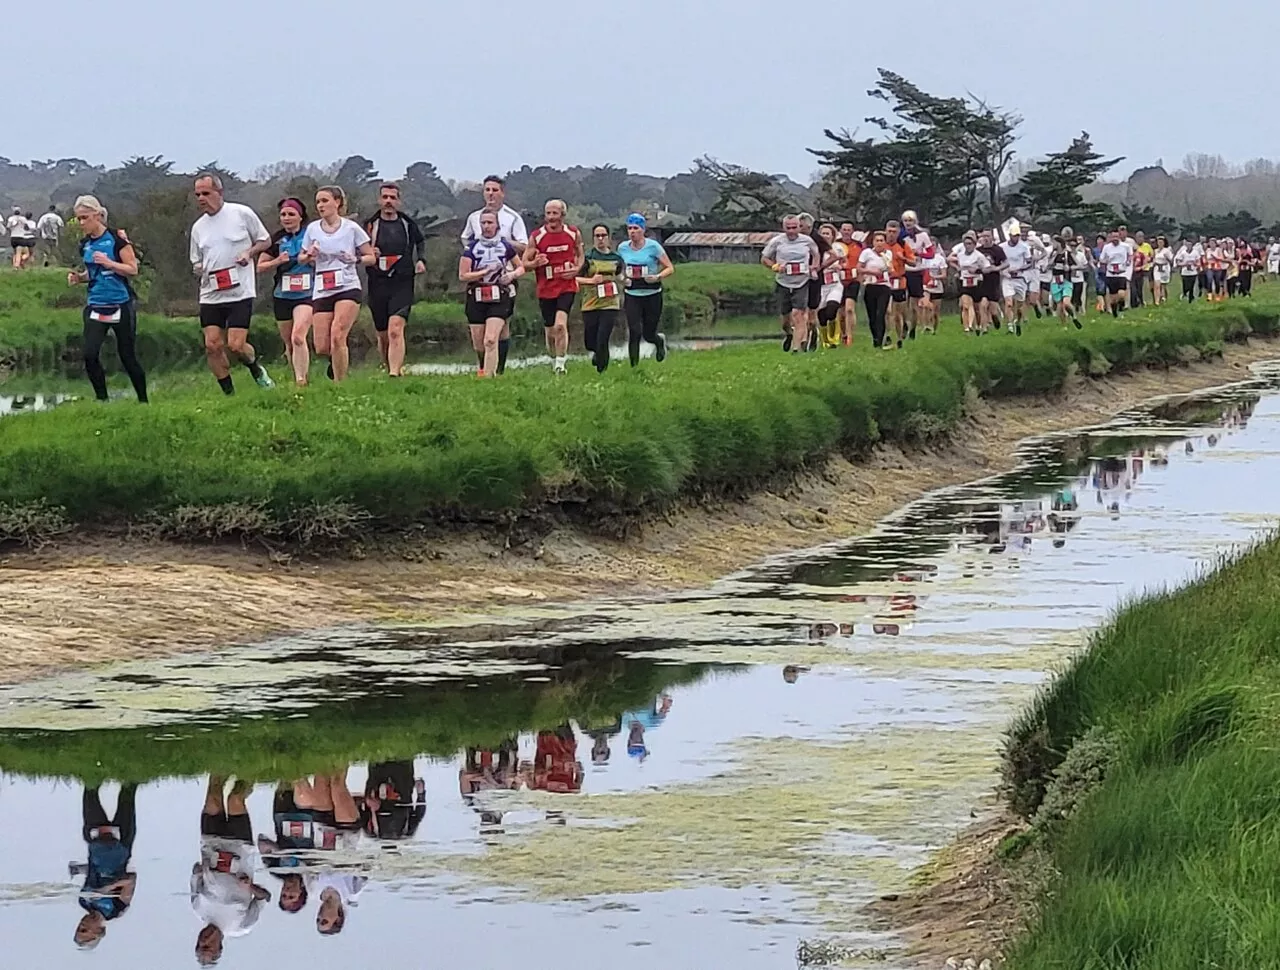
(87, 600)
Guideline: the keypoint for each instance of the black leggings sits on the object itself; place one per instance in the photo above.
(1189, 288)
(126, 329)
(597, 328)
(1246, 282)
(644, 313)
(1077, 295)
(876, 298)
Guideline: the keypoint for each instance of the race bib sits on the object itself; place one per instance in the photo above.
(897, 283)
(296, 283)
(330, 279)
(1116, 269)
(637, 272)
(105, 315)
(607, 291)
(488, 294)
(224, 279)
(386, 262)
(884, 279)
(969, 280)
(846, 276)
(296, 829)
(831, 276)
(223, 862)
(548, 272)
(105, 832)
(795, 269)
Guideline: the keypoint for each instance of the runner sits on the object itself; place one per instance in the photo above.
(1187, 261)
(971, 263)
(225, 243)
(875, 265)
(922, 245)
(789, 256)
(334, 245)
(849, 278)
(291, 296)
(223, 892)
(1062, 264)
(1126, 240)
(832, 288)
(489, 267)
(815, 277)
(20, 238)
(647, 265)
(400, 252)
(1117, 261)
(510, 227)
(1037, 273)
(1249, 262)
(1143, 254)
(48, 232)
(555, 251)
(1161, 271)
(395, 802)
(110, 262)
(1231, 267)
(1014, 285)
(1273, 257)
(1082, 264)
(992, 276)
(935, 285)
(904, 257)
(1099, 274)
(601, 283)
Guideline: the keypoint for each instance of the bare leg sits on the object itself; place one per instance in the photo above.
(344, 318)
(215, 352)
(395, 346)
(491, 334)
(299, 355)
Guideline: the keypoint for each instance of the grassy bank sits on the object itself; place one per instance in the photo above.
(1174, 860)
(371, 452)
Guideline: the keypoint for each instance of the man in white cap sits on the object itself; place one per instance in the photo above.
(1014, 284)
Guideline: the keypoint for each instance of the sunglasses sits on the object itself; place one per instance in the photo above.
(600, 235)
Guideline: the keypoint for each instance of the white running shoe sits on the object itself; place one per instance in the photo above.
(264, 379)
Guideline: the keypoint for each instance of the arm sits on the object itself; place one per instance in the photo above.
(365, 255)
(193, 253)
(267, 262)
(519, 234)
(127, 265)
(468, 275)
(769, 255)
(418, 247)
(664, 264)
(579, 257)
(258, 233)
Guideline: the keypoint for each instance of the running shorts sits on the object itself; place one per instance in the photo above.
(915, 285)
(284, 308)
(327, 304)
(235, 828)
(478, 313)
(1162, 275)
(227, 316)
(389, 297)
(1013, 288)
(1117, 284)
(550, 306)
(791, 298)
(1060, 292)
(815, 294)
(851, 291)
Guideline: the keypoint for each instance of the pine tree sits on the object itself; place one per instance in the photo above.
(1050, 195)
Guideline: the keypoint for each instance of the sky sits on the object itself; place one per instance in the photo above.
(490, 86)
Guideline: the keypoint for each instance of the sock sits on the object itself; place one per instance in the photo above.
(1115, 310)
(254, 368)
(226, 385)
(1037, 309)
(503, 347)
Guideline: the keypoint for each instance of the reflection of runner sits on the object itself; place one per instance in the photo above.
(108, 884)
(556, 768)
(484, 770)
(395, 802)
(223, 893)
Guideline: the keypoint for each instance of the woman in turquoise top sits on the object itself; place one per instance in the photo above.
(647, 265)
(109, 264)
(293, 283)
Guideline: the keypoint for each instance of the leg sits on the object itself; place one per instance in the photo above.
(344, 318)
(345, 811)
(477, 343)
(238, 344)
(490, 333)
(560, 334)
(299, 355)
(127, 349)
(286, 338)
(94, 334)
(322, 332)
(608, 319)
(91, 811)
(126, 817)
(384, 346)
(395, 346)
(800, 329)
(590, 324)
(213, 797)
(215, 352)
(635, 327)
(651, 320)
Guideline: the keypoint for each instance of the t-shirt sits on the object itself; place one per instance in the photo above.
(217, 241)
(293, 280)
(921, 242)
(1081, 260)
(645, 261)
(877, 265)
(19, 227)
(1142, 256)
(50, 226)
(1018, 256)
(560, 246)
(333, 273)
(492, 255)
(107, 288)
(348, 886)
(510, 226)
(1117, 260)
(972, 266)
(108, 863)
(1187, 261)
(218, 895)
(606, 295)
(1133, 248)
(397, 241)
(794, 257)
(1061, 264)
(995, 256)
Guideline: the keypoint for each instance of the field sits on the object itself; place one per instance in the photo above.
(1173, 862)
(371, 453)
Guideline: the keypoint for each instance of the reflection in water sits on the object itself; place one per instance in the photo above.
(631, 773)
(27, 403)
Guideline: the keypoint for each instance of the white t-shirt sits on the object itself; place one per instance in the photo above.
(1188, 261)
(19, 227)
(50, 225)
(872, 263)
(333, 273)
(1081, 260)
(972, 266)
(1117, 259)
(218, 896)
(1273, 252)
(216, 242)
(920, 244)
(1018, 255)
(510, 226)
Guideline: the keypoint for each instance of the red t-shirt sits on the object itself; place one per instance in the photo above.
(561, 248)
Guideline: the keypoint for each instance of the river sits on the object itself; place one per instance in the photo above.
(706, 779)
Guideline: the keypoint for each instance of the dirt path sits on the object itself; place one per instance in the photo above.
(92, 601)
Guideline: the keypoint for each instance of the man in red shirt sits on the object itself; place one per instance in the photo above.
(554, 255)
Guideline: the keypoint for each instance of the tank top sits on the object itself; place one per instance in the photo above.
(560, 246)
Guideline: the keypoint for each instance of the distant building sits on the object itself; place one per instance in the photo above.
(717, 247)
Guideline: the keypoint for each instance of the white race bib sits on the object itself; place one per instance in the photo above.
(831, 276)
(636, 272)
(386, 262)
(329, 281)
(488, 294)
(224, 279)
(795, 269)
(296, 283)
(105, 316)
(607, 291)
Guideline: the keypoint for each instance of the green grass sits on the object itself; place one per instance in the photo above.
(1174, 862)
(404, 452)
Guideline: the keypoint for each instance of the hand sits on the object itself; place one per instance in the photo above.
(650, 278)
(541, 260)
(73, 279)
(597, 279)
(243, 258)
(506, 279)
(777, 267)
(348, 258)
(198, 269)
(419, 267)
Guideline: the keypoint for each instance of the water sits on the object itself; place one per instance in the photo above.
(781, 747)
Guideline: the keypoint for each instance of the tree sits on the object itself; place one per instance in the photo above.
(1147, 220)
(607, 187)
(1198, 165)
(1233, 224)
(744, 199)
(121, 189)
(422, 188)
(1051, 193)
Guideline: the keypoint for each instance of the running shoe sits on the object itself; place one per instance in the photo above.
(1018, 328)
(1079, 325)
(660, 354)
(558, 367)
(786, 343)
(262, 378)
(328, 371)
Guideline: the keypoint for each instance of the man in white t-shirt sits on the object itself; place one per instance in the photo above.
(48, 230)
(223, 893)
(225, 243)
(1273, 257)
(21, 239)
(1116, 259)
(1014, 283)
(510, 224)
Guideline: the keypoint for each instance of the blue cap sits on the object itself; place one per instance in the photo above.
(636, 219)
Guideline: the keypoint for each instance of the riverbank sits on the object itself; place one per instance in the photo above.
(109, 597)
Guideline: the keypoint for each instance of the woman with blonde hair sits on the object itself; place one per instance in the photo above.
(334, 246)
(110, 263)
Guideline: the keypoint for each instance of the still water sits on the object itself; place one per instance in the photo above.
(703, 780)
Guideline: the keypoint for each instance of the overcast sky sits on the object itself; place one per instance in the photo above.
(488, 86)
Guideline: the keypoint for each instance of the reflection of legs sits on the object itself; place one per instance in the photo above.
(214, 803)
(93, 814)
(345, 811)
(126, 818)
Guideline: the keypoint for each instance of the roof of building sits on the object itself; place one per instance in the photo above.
(719, 238)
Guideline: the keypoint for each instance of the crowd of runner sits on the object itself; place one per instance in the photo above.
(900, 273)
